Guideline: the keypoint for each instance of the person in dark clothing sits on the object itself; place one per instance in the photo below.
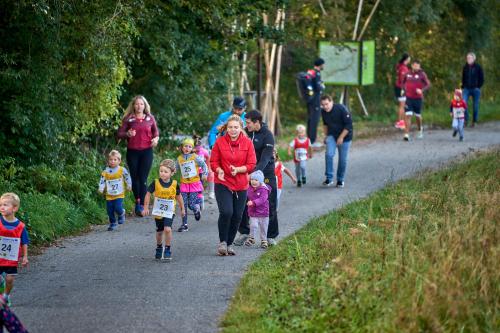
(313, 99)
(472, 81)
(263, 141)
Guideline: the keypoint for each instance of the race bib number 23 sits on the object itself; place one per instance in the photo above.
(163, 208)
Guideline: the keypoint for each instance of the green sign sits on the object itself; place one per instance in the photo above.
(348, 63)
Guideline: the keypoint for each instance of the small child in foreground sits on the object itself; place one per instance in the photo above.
(458, 108)
(13, 242)
(258, 208)
(114, 180)
(165, 191)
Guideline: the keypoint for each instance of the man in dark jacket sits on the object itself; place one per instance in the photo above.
(472, 81)
(263, 141)
(313, 99)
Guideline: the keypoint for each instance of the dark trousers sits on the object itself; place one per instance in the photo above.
(231, 205)
(313, 116)
(139, 164)
(115, 207)
(272, 230)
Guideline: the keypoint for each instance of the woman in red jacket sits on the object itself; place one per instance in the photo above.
(140, 130)
(232, 159)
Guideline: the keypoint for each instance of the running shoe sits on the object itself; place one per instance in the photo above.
(197, 215)
(158, 252)
(167, 254)
(222, 249)
(240, 240)
(211, 195)
(340, 184)
(400, 124)
(420, 134)
(461, 139)
(121, 218)
(303, 180)
(230, 251)
(299, 183)
(327, 182)
(138, 209)
(271, 241)
(183, 228)
(454, 133)
(112, 226)
(407, 137)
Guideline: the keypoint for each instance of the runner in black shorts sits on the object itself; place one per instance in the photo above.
(414, 83)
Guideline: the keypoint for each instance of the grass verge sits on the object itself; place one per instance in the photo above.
(418, 256)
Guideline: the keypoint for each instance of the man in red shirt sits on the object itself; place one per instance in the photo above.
(415, 83)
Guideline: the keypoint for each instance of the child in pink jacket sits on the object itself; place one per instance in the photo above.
(258, 208)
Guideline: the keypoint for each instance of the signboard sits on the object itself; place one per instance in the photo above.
(348, 63)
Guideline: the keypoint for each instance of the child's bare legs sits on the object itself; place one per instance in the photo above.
(9, 283)
(167, 233)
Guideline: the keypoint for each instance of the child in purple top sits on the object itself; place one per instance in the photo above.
(258, 208)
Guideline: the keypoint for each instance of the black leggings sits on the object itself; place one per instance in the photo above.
(139, 164)
(231, 205)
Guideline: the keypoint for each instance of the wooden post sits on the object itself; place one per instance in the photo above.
(368, 20)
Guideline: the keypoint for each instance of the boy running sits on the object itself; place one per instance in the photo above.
(415, 83)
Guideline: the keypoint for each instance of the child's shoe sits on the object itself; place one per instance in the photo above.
(461, 139)
(454, 133)
(112, 226)
(406, 137)
(197, 215)
(138, 209)
(183, 228)
(159, 251)
(299, 183)
(303, 180)
(121, 218)
(264, 244)
(250, 241)
(420, 134)
(211, 195)
(167, 254)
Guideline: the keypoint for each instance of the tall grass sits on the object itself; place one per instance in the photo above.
(418, 256)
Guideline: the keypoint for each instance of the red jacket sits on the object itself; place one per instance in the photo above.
(146, 130)
(413, 81)
(401, 71)
(236, 153)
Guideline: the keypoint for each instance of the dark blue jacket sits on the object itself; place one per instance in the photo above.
(472, 76)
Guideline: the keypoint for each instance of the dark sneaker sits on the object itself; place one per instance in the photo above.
(454, 133)
(303, 180)
(327, 182)
(299, 183)
(461, 138)
(121, 218)
(340, 184)
(197, 215)
(139, 209)
(112, 226)
(167, 254)
(183, 228)
(159, 251)
(240, 240)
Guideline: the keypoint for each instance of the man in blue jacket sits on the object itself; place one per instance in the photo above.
(239, 106)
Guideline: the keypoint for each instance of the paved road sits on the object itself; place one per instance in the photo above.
(109, 282)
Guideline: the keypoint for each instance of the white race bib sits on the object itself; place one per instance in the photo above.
(188, 169)
(458, 112)
(114, 186)
(9, 248)
(301, 154)
(163, 208)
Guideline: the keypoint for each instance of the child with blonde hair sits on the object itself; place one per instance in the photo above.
(458, 109)
(115, 179)
(302, 151)
(14, 242)
(166, 192)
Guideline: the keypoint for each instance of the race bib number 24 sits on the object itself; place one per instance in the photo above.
(9, 248)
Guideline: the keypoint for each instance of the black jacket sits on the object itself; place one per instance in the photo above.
(472, 76)
(263, 142)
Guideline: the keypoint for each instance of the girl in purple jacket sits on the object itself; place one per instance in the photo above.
(258, 208)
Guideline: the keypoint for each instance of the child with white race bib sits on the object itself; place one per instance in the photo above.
(458, 108)
(302, 151)
(14, 242)
(166, 192)
(114, 180)
(191, 186)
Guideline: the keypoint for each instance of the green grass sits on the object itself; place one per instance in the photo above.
(418, 256)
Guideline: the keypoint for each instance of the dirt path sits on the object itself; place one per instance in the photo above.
(110, 282)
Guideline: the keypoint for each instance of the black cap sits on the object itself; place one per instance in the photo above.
(239, 102)
(319, 62)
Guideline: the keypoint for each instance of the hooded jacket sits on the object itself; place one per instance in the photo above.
(221, 120)
(236, 153)
(263, 142)
(259, 196)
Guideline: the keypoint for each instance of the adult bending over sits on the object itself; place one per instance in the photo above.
(233, 158)
(140, 130)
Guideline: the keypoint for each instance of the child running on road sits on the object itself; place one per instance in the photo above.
(166, 191)
(204, 154)
(258, 208)
(458, 108)
(113, 181)
(191, 186)
(302, 151)
(14, 242)
(279, 168)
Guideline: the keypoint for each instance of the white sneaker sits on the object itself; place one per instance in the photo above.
(420, 134)
(211, 195)
(317, 144)
(271, 241)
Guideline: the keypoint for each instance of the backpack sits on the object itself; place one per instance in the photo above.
(304, 86)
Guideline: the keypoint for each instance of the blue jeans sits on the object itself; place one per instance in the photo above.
(331, 144)
(115, 207)
(476, 94)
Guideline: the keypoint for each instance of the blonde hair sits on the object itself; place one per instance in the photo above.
(277, 158)
(131, 110)
(233, 117)
(300, 128)
(14, 198)
(168, 163)
(115, 153)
